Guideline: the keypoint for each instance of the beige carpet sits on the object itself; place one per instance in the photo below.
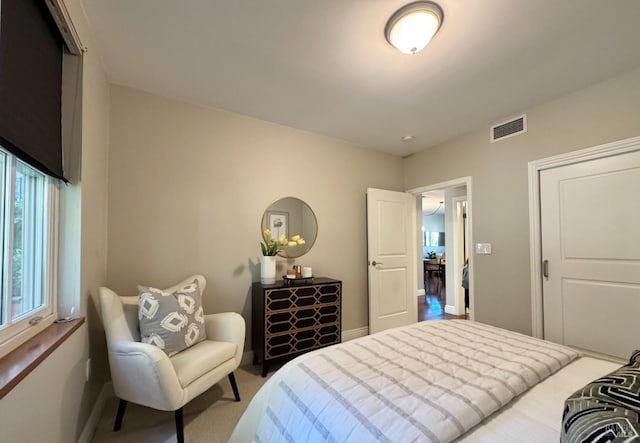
(209, 418)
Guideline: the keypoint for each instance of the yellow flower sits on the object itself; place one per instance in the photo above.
(271, 246)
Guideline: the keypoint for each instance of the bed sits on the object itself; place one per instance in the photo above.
(440, 381)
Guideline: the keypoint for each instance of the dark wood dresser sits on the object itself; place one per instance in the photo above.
(294, 317)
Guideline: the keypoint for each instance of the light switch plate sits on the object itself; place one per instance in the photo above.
(483, 248)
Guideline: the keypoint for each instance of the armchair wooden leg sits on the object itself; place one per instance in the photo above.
(234, 386)
(179, 426)
(119, 415)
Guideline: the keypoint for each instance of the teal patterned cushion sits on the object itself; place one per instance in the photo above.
(172, 321)
(607, 409)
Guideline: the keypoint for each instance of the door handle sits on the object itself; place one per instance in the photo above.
(545, 268)
(373, 263)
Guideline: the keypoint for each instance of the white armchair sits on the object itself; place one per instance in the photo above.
(144, 374)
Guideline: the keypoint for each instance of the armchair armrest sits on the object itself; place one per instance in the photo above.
(143, 373)
(226, 326)
(154, 353)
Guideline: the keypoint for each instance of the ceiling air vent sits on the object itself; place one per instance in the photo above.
(509, 128)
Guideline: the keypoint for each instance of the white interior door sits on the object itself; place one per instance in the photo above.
(589, 225)
(391, 236)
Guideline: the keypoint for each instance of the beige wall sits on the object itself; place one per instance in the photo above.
(188, 186)
(602, 113)
(95, 148)
(47, 405)
(53, 403)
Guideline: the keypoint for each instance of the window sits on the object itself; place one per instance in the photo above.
(28, 215)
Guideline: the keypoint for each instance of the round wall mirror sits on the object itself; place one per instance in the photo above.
(291, 216)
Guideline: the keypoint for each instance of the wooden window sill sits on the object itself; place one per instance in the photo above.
(19, 363)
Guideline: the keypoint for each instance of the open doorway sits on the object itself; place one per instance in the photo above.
(444, 230)
(432, 305)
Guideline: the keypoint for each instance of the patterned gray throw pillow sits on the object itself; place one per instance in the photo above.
(172, 321)
(607, 409)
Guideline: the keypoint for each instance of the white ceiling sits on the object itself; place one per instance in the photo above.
(433, 203)
(325, 66)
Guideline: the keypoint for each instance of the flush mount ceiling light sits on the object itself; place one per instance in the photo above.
(412, 27)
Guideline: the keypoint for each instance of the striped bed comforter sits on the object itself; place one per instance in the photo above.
(431, 381)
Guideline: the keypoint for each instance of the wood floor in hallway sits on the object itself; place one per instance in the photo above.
(431, 306)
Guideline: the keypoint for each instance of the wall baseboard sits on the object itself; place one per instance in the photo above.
(355, 333)
(449, 309)
(96, 412)
(247, 358)
(421, 292)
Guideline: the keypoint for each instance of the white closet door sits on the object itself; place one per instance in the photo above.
(590, 223)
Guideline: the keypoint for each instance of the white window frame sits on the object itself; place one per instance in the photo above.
(16, 331)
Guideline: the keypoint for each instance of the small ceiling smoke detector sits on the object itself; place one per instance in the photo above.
(412, 27)
(408, 138)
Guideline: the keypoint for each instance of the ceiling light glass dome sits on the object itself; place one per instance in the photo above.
(412, 27)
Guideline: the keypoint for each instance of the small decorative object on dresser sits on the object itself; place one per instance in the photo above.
(289, 319)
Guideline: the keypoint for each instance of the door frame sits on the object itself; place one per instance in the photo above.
(535, 234)
(454, 183)
(458, 257)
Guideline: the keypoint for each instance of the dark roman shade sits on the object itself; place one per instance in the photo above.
(31, 84)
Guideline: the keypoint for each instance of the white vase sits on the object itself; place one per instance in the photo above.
(267, 269)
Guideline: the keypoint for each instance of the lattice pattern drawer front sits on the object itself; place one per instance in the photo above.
(280, 299)
(284, 321)
(303, 340)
